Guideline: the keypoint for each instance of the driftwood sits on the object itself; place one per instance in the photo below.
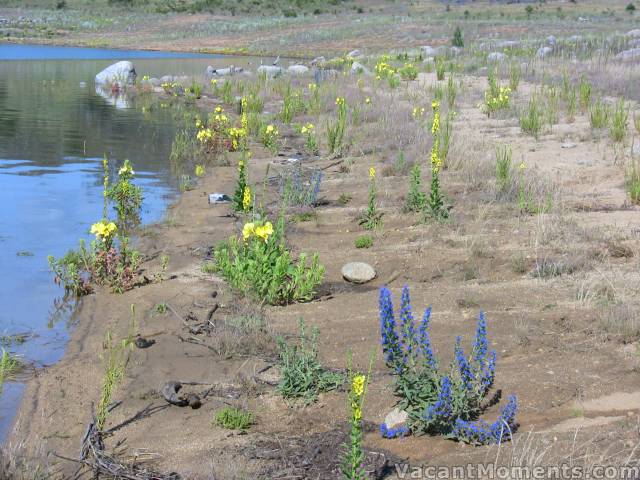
(93, 455)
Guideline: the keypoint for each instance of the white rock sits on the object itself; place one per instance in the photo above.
(357, 67)
(568, 145)
(543, 52)
(496, 57)
(354, 54)
(358, 272)
(634, 33)
(123, 72)
(551, 40)
(428, 51)
(297, 69)
(396, 418)
(270, 70)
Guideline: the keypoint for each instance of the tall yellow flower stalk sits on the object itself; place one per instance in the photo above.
(352, 466)
(436, 200)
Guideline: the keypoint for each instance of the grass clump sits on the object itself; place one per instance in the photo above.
(117, 359)
(599, 114)
(619, 122)
(233, 418)
(336, 130)
(503, 167)
(302, 374)
(632, 182)
(531, 118)
(9, 366)
(363, 241)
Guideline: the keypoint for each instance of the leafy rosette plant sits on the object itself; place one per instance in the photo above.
(447, 403)
(259, 264)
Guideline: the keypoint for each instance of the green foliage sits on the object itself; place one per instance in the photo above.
(238, 202)
(619, 121)
(408, 71)
(440, 68)
(116, 362)
(233, 418)
(9, 366)
(371, 218)
(531, 118)
(585, 94)
(363, 241)
(302, 374)
(352, 468)
(503, 167)
(496, 97)
(552, 106)
(457, 40)
(108, 259)
(416, 199)
(344, 198)
(599, 114)
(292, 105)
(452, 93)
(631, 8)
(632, 182)
(260, 265)
(336, 130)
(514, 76)
(127, 199)
(571, 100)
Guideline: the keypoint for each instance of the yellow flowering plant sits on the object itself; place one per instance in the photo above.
(352, 463)
(436, 206)
(270, 138)
(258, 264)
(239, 196)
(311, 142)
(371, 218)
(246, 199)
(107, 260)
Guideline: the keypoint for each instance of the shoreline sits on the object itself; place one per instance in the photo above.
(524, 262)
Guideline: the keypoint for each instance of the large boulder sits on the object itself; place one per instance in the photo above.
(634, 33)
(270, 71)
(120, 72)
(507, 44)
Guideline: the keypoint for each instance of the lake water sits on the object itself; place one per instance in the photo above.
(54, 131)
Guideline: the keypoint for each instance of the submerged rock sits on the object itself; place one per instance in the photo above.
(358, 272)
(120, 72)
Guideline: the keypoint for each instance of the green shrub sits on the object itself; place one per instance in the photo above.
(408, 72)
(233, 418)
(302, 374)
(457, 40)
(260, 265)
(363, 241)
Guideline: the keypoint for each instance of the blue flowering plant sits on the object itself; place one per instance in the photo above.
(448, 403)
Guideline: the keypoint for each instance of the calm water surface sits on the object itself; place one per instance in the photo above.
(54, 130)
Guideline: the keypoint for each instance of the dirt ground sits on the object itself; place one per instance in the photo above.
(575, 374)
